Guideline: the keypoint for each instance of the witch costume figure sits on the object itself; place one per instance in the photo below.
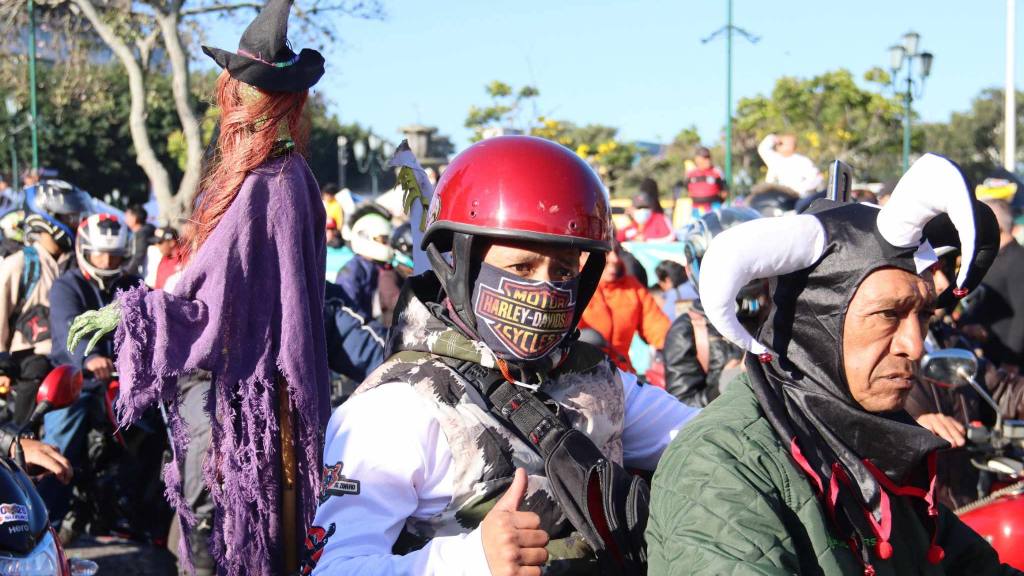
(248, 310)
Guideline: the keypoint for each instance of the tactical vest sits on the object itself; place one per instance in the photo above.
(485, 453)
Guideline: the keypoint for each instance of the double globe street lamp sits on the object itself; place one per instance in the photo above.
(12, 113)
(904, 55)
(371, 155)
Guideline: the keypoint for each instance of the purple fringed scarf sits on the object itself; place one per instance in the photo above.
(248, 309)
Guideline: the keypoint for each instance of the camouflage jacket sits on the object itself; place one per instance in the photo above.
(414, 461)
(485, 452)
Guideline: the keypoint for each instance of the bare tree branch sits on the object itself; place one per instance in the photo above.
(371, 10)
(228, 7)
(186, 113)
(145, 154)
(145, 46)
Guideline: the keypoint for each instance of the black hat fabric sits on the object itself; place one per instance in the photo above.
(163, 234)
(265, 60)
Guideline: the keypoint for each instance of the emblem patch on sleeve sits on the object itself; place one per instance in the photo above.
(316, 540)
(336, 484)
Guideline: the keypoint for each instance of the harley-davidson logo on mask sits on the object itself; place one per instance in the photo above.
(521, 317)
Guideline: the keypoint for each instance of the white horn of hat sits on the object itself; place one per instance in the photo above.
(932, 186)
(759, 249)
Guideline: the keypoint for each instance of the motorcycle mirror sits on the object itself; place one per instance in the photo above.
(60, 388)
(952, 367)
(82, 567)
(955, 367)
(1004, 465)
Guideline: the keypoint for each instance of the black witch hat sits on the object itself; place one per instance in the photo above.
(265, 60)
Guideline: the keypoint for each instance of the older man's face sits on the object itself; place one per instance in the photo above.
(883, 337)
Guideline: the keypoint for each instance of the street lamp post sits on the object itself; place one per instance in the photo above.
(32, 83)
(372, 156)
(342, 160)
(901, 55)
(12, 112)
(729, 29)
(1010, 92)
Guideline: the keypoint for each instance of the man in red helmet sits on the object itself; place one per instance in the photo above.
(427, 469)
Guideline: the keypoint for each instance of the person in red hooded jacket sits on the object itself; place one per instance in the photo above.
(649, 222)
(622, 307)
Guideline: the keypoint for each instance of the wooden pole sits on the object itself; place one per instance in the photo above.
(289, 522)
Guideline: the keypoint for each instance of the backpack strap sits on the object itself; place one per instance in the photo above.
(521, 410)
(31, 271)
(700, 338)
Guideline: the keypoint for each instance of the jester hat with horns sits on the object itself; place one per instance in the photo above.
(816, 261)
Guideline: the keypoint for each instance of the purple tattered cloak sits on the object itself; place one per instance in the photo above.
(248, 309)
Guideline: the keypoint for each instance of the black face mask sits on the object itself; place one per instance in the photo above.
(519, 319)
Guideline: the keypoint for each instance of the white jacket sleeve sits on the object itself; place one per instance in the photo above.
(810, 178)
(653, 417)
(389, 461)
(766, 150)
(771, 158)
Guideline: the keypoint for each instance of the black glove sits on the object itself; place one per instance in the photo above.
(8, 432)
(7, 366)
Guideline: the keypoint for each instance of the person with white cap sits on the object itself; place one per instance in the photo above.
(809, 464)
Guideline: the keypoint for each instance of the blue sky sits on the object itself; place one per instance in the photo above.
(638, 65)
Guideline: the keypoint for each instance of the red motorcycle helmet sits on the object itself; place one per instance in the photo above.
(521, 188)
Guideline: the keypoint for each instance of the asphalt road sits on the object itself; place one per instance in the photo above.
(117, 557)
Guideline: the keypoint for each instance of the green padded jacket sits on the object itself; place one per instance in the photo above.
(727, 499)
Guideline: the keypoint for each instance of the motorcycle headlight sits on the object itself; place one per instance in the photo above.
(41, 561)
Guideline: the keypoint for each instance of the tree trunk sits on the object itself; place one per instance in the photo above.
(146, 158)
(186, 114)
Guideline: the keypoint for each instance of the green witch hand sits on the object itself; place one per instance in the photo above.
(99, 323)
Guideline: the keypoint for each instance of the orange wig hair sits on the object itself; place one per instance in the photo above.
(250, 126)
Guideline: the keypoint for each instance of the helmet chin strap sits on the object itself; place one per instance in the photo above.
(590, 276)
(455, 279)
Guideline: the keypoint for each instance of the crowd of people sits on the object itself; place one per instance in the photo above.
(541, 398)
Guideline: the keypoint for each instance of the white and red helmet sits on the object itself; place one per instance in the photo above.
(106, 233)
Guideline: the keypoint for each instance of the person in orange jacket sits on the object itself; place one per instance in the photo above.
(622, 307)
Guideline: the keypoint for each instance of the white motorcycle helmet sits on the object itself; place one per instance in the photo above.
(105, 233)
(370, 235)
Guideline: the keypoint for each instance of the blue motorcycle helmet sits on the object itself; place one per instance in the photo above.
(55, 207)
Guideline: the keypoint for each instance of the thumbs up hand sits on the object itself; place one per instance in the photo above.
(513, 541)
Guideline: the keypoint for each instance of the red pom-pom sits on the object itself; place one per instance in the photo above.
(960, 292)
(935, 554)
(869, 570)
(883, 549)
(765, 357)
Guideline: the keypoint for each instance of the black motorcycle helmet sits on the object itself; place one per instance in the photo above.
(402, 242)
(772, 201)
(56, 207)
(698, 236)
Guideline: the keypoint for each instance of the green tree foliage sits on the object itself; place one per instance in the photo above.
(596, 143)
(667, 168)
(504, 111)
(974, 138)
(323, 139)
(833, 117)
(83, 134)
